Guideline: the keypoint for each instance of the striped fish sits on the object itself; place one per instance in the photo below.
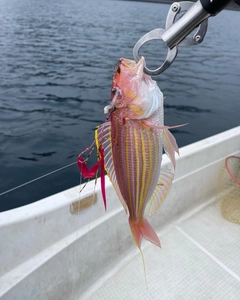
(133, 139)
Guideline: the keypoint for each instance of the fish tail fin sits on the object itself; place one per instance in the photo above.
(142, 230)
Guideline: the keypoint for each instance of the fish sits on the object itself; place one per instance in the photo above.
(130, 145)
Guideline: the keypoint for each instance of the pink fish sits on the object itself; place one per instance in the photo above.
(132, 139)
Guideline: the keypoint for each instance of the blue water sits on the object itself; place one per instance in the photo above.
(56, 68)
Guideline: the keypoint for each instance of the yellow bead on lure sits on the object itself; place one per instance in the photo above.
(132, 141)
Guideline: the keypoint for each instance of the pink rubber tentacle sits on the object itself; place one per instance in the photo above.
(91, 173)
(87, 173)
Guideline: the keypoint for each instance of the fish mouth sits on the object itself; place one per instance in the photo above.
(128, 63)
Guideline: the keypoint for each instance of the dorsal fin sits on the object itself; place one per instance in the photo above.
(103, 137)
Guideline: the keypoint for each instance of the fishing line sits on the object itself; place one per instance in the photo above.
(75, 247)
(50, 173)
(75, 251)
(38, 178)
(87, 242)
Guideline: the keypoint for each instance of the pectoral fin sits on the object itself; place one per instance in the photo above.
(163, 186)
(170, 145)
(169, 142)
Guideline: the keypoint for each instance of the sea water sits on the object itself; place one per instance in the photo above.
(57, 60)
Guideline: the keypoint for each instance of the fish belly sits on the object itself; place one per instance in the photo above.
(137, 155)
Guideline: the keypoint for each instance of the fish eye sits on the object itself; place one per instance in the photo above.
(114, 90)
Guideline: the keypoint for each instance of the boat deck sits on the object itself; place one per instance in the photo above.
(199, 259)
(67, 247)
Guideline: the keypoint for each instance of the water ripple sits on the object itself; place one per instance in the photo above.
(187, 108)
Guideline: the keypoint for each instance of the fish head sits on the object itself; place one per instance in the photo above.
(134, 94)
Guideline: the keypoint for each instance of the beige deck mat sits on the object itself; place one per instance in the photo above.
(199, 259)
(229, 189)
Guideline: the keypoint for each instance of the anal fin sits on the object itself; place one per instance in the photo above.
(163, 186)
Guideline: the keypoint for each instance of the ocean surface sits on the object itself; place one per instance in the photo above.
(57, 60)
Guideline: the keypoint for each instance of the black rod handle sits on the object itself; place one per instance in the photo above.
(213, 7)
